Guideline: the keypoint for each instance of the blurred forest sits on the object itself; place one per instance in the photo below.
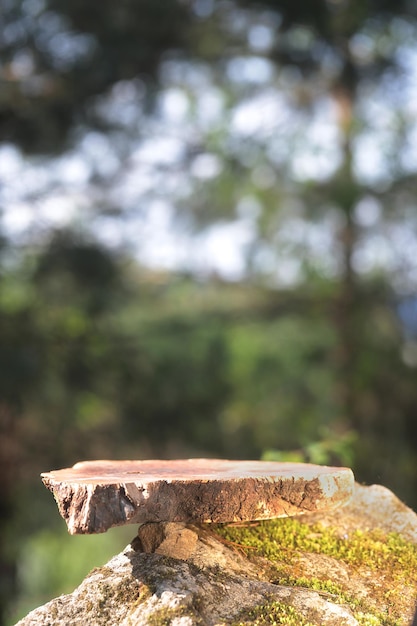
(208, 247)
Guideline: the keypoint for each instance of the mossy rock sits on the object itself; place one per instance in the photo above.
(372, 572)
(356, 566)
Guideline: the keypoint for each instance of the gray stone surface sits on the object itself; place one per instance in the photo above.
(150, 589)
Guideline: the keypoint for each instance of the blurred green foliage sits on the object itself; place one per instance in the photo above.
(330, 449)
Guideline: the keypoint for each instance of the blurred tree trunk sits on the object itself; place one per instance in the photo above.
(346, 194)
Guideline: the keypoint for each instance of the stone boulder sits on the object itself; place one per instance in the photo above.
(356, 565)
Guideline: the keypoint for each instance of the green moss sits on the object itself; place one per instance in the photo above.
(270, 614)
(325, 587)
(165, 615)
(276, 539)
(283, 541)
(280, 613)
(367, 619)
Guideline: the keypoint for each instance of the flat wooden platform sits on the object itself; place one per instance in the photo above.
(93, 496)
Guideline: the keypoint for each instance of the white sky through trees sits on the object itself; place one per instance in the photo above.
(178, 148)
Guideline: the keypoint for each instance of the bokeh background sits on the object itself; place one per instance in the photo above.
(208, 247)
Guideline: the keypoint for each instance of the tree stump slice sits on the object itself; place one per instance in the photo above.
(94, 496)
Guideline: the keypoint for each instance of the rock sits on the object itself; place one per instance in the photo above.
(373, 507)
(356, 566)
(94, 496)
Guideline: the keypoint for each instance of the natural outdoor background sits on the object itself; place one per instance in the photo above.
(208, 247)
